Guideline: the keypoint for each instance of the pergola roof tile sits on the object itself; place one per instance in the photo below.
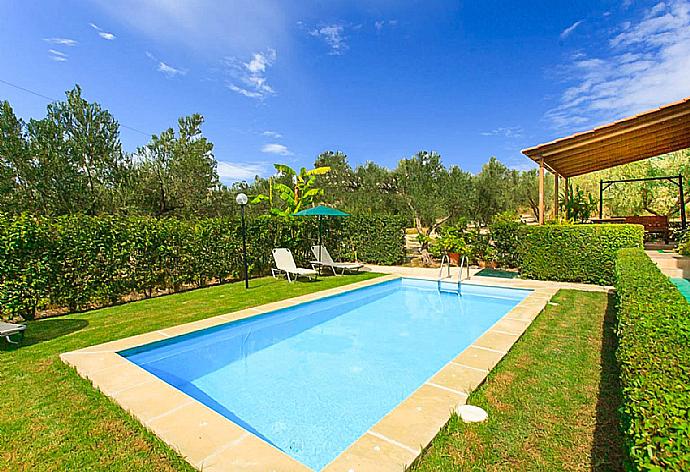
(648, 134)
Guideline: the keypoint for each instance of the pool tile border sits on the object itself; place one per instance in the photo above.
(211, 442)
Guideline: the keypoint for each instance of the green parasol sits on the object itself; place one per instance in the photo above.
(320, 211)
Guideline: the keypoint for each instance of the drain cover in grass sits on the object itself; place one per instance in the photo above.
(471, 414)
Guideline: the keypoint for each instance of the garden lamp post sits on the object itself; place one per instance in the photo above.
(241, 200)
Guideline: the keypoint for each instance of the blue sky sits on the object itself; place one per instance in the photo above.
(281, 81)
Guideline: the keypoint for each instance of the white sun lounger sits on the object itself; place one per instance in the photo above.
(10, 329)
(285, 263)
(324, 259)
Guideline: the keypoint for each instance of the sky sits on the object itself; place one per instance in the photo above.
(282, 81)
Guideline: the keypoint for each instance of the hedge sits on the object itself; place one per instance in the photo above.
(575, 253)
(654, 357)
(79, 261)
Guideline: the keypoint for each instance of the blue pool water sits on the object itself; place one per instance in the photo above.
(312, 378)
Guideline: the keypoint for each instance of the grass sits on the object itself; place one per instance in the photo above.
(52, 419)
(552, 401)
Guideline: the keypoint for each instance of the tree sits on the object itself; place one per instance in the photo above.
(79, 151)
(300, 194)
(525, 190)
(430, 191)
(178, 172)
(13, 160)
(339, 182)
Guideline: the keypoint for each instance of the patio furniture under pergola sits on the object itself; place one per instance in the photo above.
(649, 134)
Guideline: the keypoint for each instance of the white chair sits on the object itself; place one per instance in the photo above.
(10, 329)
(324, 259)
(286, 263)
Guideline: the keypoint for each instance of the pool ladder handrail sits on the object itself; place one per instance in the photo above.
(445, 261)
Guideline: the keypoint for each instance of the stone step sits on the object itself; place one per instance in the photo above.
(675, 273)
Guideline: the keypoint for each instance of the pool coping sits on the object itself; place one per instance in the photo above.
(211, 442)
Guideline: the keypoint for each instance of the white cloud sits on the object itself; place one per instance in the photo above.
(233, 172)
(272, 134)
(169, 70)
(61, 41)
(333, 35)
(103, 34)
(380, 24)
(275, 148)
(506, 132)
(569, 30)
(249, 78)
(57, 56)
(166, 69)
(646, 65)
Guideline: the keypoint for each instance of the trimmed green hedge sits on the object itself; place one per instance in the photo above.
(575, 253)
(654, 357)
(80, 261)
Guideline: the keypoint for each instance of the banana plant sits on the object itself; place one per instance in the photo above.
(300, 195)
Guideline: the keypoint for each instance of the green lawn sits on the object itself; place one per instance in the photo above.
(52, 419)
(552, 401)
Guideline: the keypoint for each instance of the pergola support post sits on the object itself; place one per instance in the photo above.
(601, 199)
(555, 195)
(541, 191)
(683, 222)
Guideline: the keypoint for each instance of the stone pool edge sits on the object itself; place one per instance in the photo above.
(211, 442)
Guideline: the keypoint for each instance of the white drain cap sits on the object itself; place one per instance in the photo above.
(471, 414)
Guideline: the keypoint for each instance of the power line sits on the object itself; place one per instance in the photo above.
(32, 92)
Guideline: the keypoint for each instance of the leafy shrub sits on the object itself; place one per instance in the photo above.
(505, 234)
(654, 357)
(451, 239)
(80, 261)
(575, 253)
(576, 206)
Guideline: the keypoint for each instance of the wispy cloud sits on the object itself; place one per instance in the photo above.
(237, 171)
(61, 41)
(275, 148)
(103, 34)
(334, 36)
(646, 65)
(569, 30)
(272, 134)
(166, 69)
(249, 78)
(169, 70)
(380, 24)
(506, 132)
(57, 56)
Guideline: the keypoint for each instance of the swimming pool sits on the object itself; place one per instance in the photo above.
(312, 378)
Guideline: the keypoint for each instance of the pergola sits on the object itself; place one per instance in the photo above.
(649, 134)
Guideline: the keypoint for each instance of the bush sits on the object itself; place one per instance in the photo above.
(654, 357)
(575, 253)
(505, 234)
(79, 261)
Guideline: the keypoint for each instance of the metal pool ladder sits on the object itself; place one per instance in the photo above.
(445, 262)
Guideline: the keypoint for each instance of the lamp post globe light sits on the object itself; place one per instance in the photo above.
(242, 200)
